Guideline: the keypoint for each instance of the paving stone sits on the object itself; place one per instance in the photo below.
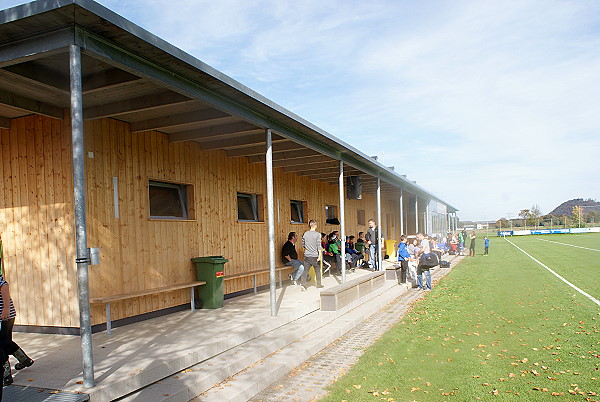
(336, 359)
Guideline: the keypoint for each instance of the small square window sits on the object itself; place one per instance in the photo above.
(168, 200)
(360, 217)
(331, 215)
(297, 209)
(249, 206)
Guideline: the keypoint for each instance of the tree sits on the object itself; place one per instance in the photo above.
(578, 215)
(593, 217)
(534, 214)
(525, 215)
(502, 223)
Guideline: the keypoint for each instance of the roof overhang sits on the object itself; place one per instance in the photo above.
(132, 75)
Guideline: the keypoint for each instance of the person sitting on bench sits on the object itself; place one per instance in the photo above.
(289, 256)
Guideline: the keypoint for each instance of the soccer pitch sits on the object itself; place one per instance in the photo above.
(501, 325)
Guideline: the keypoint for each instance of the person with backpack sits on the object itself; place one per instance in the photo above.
(424, 265)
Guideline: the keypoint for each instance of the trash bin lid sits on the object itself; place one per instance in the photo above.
(213, 259)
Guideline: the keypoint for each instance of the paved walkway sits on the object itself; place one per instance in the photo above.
(308, 381)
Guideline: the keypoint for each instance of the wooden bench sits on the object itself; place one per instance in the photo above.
(343, 294)
(124, 296)
(258, 272)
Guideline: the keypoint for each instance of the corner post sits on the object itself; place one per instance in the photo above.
(83, 257)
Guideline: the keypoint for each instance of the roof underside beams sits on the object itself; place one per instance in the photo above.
(121, 84)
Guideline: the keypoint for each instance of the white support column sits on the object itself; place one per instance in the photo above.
(83, 255)
(342, 223)
(416, 214)
(271, 223)
(379, 243)
(426, 222)
(401, 214)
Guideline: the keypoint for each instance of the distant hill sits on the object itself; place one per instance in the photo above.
(566, 208)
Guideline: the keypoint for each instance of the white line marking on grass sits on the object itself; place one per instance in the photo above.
(565, 244)
(592, 298)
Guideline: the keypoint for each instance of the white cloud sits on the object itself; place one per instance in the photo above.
(490, 105)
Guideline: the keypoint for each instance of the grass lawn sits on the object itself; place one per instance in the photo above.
(499, 326)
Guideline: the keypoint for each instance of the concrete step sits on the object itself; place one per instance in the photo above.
(208, 343)
(251, 381)
(326, 327)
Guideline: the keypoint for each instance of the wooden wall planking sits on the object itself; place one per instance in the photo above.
(36, 217)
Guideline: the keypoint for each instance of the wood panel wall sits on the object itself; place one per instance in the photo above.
(37, 221)
(36, 217)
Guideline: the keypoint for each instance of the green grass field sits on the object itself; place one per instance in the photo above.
(499, 326)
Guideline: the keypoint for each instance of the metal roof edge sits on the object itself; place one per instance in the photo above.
(42, 6)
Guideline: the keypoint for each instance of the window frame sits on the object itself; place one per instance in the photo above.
(300, 207)
(360, 217)
(183, 196)
(255, 205)
(335, 213)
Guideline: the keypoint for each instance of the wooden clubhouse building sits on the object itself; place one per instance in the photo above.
(112, 138)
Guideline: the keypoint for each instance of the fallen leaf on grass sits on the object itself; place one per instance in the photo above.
(357, 386)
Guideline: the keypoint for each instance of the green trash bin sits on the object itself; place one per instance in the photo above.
(210, 270)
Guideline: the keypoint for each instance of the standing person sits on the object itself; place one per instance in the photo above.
(403, 257)
(486, 245)
(423, 269)
(373, 238)
(473, 237)
(311, 241)
(289, 256)
(7, 345)
(461, 243)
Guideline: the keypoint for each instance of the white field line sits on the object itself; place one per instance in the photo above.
(592, 298)
(565, 244)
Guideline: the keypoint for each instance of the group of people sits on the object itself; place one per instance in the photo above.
(7, 345)
(321, 248)
(416, 258)
(458, 240)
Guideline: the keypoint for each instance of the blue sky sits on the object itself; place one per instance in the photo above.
(492, 106)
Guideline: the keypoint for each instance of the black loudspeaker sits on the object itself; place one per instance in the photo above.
(353, 188)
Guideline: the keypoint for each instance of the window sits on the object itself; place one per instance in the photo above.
(360, 217)
(249, 207)
(331, 215)
(168, 200)
(297, 208)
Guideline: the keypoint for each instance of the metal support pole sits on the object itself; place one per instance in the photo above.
(379, 261)
(271, 223)
(428, 228)
(401, 214)
(83, 257)
(416, 214)
(342, 224)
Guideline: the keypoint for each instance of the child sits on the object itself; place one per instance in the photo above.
(486, 245)
(403, 257)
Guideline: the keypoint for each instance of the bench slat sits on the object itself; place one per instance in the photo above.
(251, 273)
(146, 292)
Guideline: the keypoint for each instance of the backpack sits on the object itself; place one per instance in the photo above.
(444, 264)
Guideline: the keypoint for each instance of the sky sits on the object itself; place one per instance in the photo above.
(491, 106)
